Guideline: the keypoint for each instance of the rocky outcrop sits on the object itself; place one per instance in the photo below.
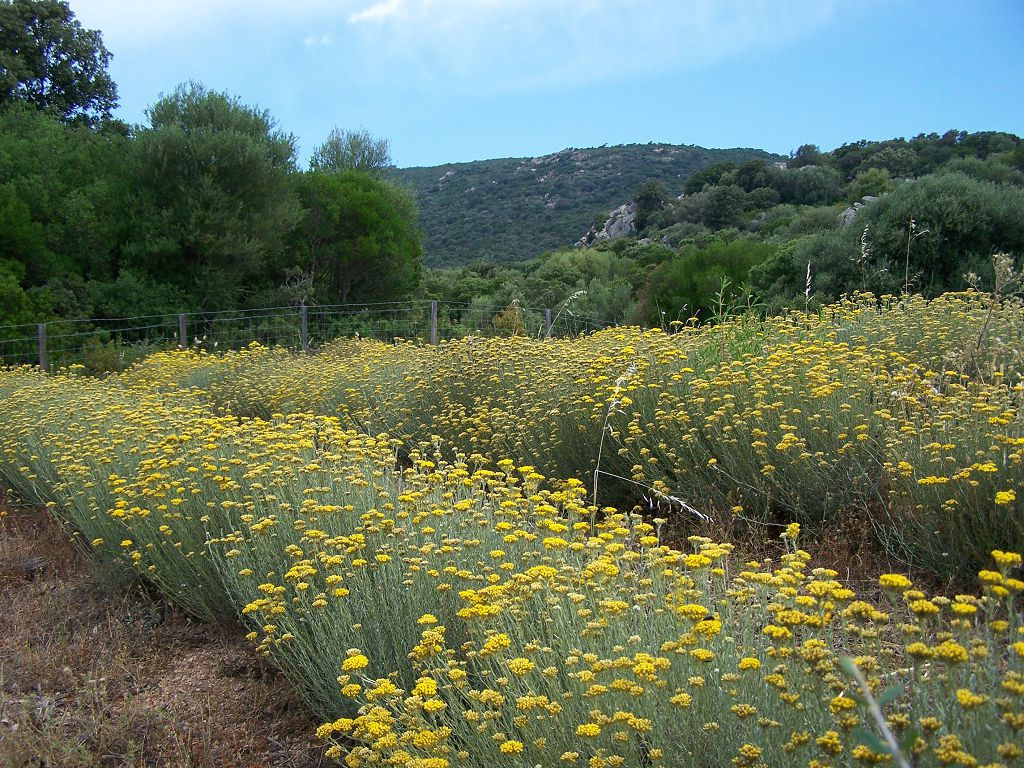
(620, 223)
(570, 154)
(846, 217)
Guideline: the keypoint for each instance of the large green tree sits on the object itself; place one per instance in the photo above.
(357, 240)
(721, 207)
(806, 154)
(61, 198)
(214, 203)
(601, 281)
(21, 242)
(710, 175)
(47, 59)
(650, 198)
(817, 185)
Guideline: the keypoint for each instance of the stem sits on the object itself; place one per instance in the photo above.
(613, 404)
(906, 268)
(660, 494)
(878, 717)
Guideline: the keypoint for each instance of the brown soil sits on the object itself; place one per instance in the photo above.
(91, 675)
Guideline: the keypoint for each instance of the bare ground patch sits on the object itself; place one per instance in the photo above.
(91, 675)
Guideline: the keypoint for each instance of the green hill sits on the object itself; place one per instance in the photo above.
(516, 208)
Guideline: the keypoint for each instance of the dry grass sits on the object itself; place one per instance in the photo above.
(90, 676)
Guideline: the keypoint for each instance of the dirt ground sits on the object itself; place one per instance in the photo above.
(96, 676)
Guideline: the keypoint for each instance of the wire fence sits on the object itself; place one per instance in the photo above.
(108, 344)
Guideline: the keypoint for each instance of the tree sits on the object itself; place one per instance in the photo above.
(1014, 158)
(958, 223)
(872, 181)
(847, 157)
(900, 162)
(761, 198)
(752, 175)
(806, 154)
(21, 243)
(722, 207)
(608, 280)
(781, 279)
(650, 198)
(993, 169)
(987, 143)
(214, 203)
(687, 285)
(62, 192)
(351, 151)
(817, 185)
(48, 60)
(710, 175)
(358, 240)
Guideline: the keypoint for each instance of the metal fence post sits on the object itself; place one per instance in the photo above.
(182, 332)
(433, 322)
(304, 327)
(547, 323)
(43, 362)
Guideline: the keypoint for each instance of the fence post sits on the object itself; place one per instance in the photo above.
(303, 327)
(547, 323)
(43, 362)
(182, 332)
(433, 323)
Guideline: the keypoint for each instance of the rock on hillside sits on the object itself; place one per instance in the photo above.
(620, 223)
(848, 215)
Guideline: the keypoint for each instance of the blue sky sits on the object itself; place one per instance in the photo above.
(458, 80)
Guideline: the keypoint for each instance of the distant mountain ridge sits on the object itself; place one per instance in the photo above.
(512, 209)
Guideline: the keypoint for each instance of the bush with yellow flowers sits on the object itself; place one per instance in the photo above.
(102, 457)
(439, 604)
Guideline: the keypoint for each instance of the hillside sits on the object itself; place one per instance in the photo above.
(515, 208)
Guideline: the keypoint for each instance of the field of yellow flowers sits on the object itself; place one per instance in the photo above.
(424, 539)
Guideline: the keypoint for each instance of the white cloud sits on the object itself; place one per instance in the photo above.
(312, 41)
(447, 11)
(513, 43)
(512, 40)
(499, 45)
(379, 12)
